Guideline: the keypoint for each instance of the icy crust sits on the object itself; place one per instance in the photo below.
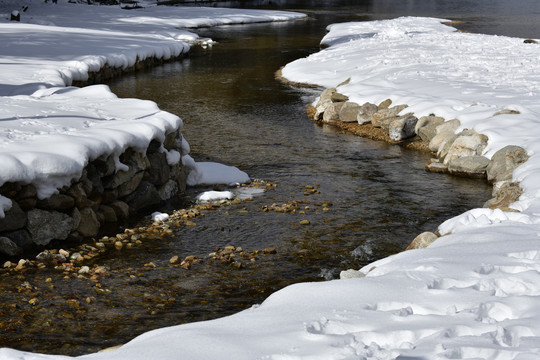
(48, 138)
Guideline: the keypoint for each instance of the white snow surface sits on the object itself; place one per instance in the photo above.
(474, 293)
(207, 196)
(49, 132)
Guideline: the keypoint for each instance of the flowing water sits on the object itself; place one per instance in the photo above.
(364, 200)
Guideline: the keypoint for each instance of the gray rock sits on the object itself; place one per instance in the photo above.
(349, 112)
(168, 190)
(385, 104)
(89, 224)
(467, 143)
(178, 174)
(338, 97)
(320, 109)
(121, 209)
(422, 241)
(351, 274)
(469, 166)
(15, 218)
(21, 237)
(129, 186)
(331, 115)
(402, 128)
(58, 202)
(77, 192)
(439, 140)
(366, 113)
(435, 166)
(158, 172)
(76, 216)
(326, 96)
(504, 161)
(426, 127)
(45, 226)
(109, 215)
(145, 196)
(8, 247)
(173, 140)
(449, 126)
(384, 116)
(104, 165)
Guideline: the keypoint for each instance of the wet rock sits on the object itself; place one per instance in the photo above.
(366, 112)
(423, 240)
(8, 247)
(349, 112)
(331, 115)
(426, 127)
(304, 222)
(45, 226)
(469, 166)
(15, 218)
(58, 202)
(504, 161)
(89, 224)
(145, 197)
(48, 257)
(168, 190)
(402, 128)
(435, 166)
(174, 260)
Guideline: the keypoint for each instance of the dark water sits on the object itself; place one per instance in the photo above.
(364, 200)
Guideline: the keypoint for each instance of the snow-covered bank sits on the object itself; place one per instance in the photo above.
(50, 133)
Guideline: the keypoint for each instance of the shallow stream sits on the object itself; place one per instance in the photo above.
(363, 200)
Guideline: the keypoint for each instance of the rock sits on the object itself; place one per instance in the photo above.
(15, 218)
(20, 265)
(119, 245)
(45, 226)
(426, 127)
(77, 192)
(435, 166)
(130, 185)
(105, 165)
(331, 114)
(26, 191)
(20, 237)
(321, 109)
(58, 202)
(504, 161)
(174, 260)
(402, 128)
(449, 126)
(326, 96)
(351, 274)
(468, 143)
(469, 166)
(153, 147)
(173, 140)
(366, 112)
(121, 209)
(109, 215)
(507, 112)
(84, 270)
(422, 241)
(508, 193)
(439, 140)
(530, 41)
(145, 196)
(169, 190)
(338, 97)
(8, 247)
(89, 224)
(158, 172)
(385, 104)
(48, 257)
(349, 112)
(384, 116)
(304, 222)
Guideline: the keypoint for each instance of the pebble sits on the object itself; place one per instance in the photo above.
(33, 301)
(304, 222)
(7, 264)
(84, 270)
(174, 260)
(63, 252)
(118, 245)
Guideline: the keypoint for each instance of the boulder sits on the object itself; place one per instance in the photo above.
(8, 247)
(365, 113)
(45, 226)
(331, 115)
(144, 197)
(60, 202)
(338, 97)
(449, 126)
(469, 166)
(326, 96)
(109, 215)
(21, 238)
(77, 192)
(168, 190)
(89, 224)
(385, 104)
(15, 218)
(508, 193)
(440, 140)
(384, 116)
(504, 161)
(435, 166)
(121, 209)
(158, 172)
(426, 127)
(467, 143)
(349, 112)
(422, 241)
(320, 109)
(129, 186)
(402, 128)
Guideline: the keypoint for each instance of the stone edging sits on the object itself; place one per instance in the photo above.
(456, 154)
(102, 196)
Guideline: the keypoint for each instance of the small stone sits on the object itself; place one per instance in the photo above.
(63, 252)
(84, 270)
(269, 251)
(20, 265)
(7, 264)
(174, 260)
(118, 245)
(33, 301)
(305, 222)
(48, 280)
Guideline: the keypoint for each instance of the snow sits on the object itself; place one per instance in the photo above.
(211, 173)
(208, 196)
(159, 216)
(472, 294)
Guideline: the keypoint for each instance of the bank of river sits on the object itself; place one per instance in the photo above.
(363, 200)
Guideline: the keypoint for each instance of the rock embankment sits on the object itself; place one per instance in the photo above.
(103, 195)
(455, 153)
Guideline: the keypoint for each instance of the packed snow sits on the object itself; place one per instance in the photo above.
(475, 292)
(208, 196)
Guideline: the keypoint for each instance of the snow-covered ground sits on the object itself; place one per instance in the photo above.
(474, 293)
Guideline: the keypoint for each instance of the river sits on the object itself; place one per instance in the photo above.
(364, 200)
